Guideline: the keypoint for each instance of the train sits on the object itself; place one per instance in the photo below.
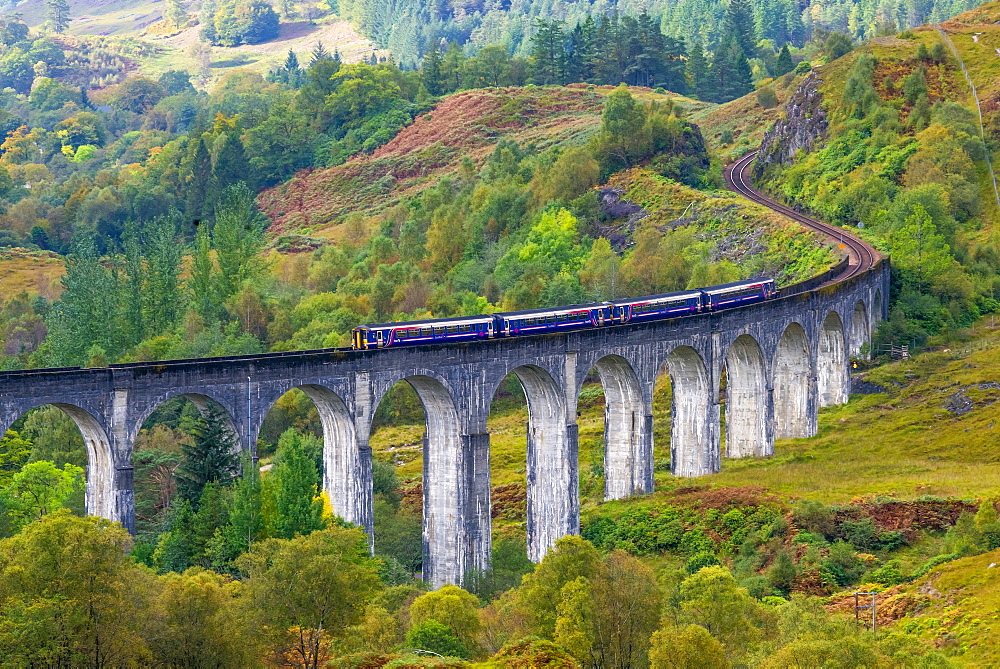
(563, 319)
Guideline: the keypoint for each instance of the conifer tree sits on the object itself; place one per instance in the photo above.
(57, 12)
(548, 52)
(176, 14)
(231, 164)
(431, 75)
(319, 52)
(739, 23)
(245, 518)
(198, 181)
(698, 75)
(784, 64)
(297, 504)
(212, 458)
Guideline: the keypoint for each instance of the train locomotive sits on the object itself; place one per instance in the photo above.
(563, 319)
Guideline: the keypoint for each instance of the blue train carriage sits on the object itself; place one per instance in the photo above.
(431, 331)
(557, 319)
(738, 293)
(652, 307)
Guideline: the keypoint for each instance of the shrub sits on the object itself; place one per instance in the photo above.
(767, 98)
(437, 638)
(699, 560)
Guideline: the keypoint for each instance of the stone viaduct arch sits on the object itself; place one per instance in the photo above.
(783, 358)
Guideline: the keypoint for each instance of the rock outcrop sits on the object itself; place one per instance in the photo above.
(804, 123)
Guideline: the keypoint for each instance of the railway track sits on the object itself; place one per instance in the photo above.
(861, 256)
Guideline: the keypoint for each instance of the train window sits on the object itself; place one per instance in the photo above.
(452, 328)
(426, 331)
(550, 319)
(465, 328)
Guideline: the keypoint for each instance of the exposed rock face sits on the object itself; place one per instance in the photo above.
(804, 123)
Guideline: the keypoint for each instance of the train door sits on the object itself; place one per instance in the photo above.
(489, 330)
(378, 337)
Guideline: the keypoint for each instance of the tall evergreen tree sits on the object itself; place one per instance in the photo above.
(245, 518)
(297, 504)
(57, 12)
(211, 458)
(784, 64)
(199, 180)
(431, 75)
(175, 550)
(548, 52)
(238, 239)
(163, 264)
(319, 53)
(231, 164)
(698, 75)
(739, 23)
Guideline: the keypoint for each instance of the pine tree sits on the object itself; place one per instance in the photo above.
(297, 504)
(57, 12)
(319, 52)
(231, 164)
(291, 62)
(198, 181)
(784, 64)
(175, 550)
(163, 264)
(548, 53)
(452, 68)
(245, 525)
(431, 75)
(212, 458)
(176, 14)
(739, 23)
(698, 75)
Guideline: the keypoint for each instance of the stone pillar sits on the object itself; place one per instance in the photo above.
(553, 484)
(124, 498)
(476, 502)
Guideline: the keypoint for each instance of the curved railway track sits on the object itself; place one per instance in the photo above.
(861, 256)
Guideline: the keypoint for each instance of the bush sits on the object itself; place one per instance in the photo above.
(437, 638)
(767, 98)
(702, 559)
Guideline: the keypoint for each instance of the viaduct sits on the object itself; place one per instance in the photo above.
(782, 360)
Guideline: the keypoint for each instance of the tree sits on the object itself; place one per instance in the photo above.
(453, 607)
(212, 457)
(600, 272)
(548, 52)
(238, 239)
(14, 454)
(739, 25)
(784, 64)
(575, 621)
(195, 624)
(57, 12)
(435, 637)
(175, 549)
(698, 75)
(245, 526)
(837, 45)
(626, 608)
(39, 489)
(72, 595)
(688, 647)
(711, 599)
(541, 591)
(176, 14)
(139, 94)
(296, 483)
(198, 181)
(431, 75)
(230, 165)
(306, 592)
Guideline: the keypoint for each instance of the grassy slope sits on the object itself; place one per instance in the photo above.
(36, 272)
